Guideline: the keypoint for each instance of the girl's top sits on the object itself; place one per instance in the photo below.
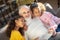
(16, 35)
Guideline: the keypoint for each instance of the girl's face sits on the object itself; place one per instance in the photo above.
(20, 22)
(36, 12)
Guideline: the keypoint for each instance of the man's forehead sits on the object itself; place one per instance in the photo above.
(24, 9)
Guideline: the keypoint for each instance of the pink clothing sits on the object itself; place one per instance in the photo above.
(48, 19)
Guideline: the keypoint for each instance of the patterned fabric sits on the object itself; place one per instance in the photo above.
(48, 19)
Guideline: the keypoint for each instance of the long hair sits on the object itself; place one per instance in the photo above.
(12, 25)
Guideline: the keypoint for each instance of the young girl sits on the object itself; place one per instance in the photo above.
(46, 17)
(15, 29)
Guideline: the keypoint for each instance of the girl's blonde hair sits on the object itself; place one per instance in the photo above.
(41, 7)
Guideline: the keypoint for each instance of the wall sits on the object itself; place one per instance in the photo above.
(54, 3)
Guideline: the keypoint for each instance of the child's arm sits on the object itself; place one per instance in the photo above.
(52, 28)
(56, 19)
(53, 25)
(52, 21)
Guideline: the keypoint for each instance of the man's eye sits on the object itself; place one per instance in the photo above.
(27, 11)
(24, 12)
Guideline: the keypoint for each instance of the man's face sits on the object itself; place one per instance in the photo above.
(25, 12)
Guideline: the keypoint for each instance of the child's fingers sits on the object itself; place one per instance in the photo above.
(50, 31)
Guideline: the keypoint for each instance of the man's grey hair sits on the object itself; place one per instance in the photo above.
(23, 6)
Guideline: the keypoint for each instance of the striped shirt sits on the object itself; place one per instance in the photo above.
(37, 29)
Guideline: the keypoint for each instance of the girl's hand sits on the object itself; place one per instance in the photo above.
(54, 33)
(50, 30)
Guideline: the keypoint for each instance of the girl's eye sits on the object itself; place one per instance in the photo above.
(23, 20)
(36, 12)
